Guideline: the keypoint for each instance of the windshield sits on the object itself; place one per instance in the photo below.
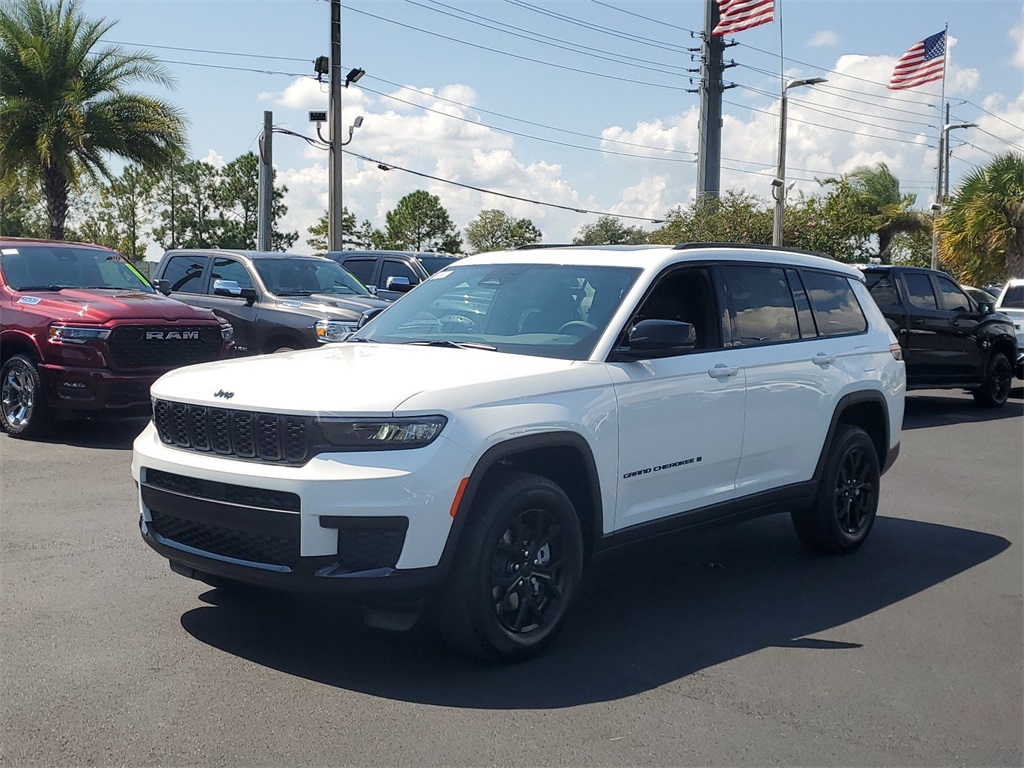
(433, 264)
(53, 268)
(305, 276)
(548, 310)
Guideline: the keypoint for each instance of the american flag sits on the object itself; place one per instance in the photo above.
(737, 15)
(923, 63)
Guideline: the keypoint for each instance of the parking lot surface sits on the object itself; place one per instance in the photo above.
(730, 647)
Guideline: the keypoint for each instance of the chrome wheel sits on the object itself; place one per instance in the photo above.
(18, 395)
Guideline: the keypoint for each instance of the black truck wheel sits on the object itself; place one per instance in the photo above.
(517, 570)
(995, 390)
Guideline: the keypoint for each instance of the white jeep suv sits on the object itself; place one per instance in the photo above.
(466, 451)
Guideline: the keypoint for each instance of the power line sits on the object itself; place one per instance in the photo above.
(577, 70)
(537, 37)
(392, 167)
(204, 50)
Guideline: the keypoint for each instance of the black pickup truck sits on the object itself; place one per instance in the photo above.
(391, 273)
(949, 340)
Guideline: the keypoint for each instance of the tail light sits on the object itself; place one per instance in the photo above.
(896, 351)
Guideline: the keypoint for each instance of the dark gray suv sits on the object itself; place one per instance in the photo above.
(274, 301)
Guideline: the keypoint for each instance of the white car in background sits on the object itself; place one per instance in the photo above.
(1011, 304)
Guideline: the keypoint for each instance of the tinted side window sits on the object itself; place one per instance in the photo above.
(835, 305)
(185, 273)
(229, 269)
(920, 289)
(953, 299)
(883, 289)
(1014, 297)
(393, 268)
(362, 269)
(762, 304)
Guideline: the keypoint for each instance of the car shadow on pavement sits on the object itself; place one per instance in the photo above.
(109, 434)
(648, 614)
(937, 409)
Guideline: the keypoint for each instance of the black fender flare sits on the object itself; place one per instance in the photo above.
(504, 450)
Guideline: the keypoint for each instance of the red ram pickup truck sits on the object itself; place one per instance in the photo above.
(82, 332)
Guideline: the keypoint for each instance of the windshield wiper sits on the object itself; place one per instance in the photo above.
(454, 344)
(51, 287)
(295, 293)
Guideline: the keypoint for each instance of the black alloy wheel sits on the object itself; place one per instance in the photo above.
(856, 491)
(527, 572)
(516, 571)
(844, 509)
(995, 390)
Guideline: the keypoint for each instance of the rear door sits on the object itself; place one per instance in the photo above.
(792, 374)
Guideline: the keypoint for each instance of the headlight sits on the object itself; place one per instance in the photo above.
(333, 330)
(74, 334)
(382, 434)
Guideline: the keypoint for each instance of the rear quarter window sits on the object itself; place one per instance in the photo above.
(835, 306)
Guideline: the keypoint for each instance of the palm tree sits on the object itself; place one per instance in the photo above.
(874, 193)
(982, 229)
(64, 105)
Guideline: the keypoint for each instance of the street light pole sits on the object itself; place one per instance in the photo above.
(939, 197)
(779, 182)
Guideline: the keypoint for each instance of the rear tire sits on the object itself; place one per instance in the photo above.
(995, 390)
(24, 412)
(516, 572)
(846, 503)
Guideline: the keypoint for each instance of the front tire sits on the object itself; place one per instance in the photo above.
(24, 412)
(995, 390)
(846, 503)
(517, 570)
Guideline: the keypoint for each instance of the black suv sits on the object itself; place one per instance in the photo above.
(949, 340)
(392, 273)
(274, 301)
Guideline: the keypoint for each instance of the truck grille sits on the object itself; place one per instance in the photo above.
(252, 435)
(163, 346)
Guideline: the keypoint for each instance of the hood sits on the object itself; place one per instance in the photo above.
(355, 378)
(328, 302)
(99, 305)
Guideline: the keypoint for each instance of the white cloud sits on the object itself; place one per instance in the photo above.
(214, 159)
(824, 38)
(1017, 35)
(852, 120)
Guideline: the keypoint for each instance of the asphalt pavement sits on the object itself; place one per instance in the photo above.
(731, 647)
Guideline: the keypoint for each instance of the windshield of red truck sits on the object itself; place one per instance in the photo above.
(40, 267)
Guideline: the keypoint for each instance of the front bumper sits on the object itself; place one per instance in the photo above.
(341, 523)
(96, 389)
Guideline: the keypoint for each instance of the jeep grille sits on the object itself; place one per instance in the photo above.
(271, 437)
(163, 346)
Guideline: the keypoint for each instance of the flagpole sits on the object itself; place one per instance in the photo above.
(937, 205)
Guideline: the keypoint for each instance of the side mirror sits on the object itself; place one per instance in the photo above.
(650, 339)
(986, 307)
(226, 288)
(368, 315)
(399, 284)
(162, 286)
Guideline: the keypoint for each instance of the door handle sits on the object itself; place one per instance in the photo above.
(822, 359)
(723, 371)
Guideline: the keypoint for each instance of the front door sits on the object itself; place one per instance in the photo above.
(681, 417)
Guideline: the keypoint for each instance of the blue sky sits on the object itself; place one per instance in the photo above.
(580, 104)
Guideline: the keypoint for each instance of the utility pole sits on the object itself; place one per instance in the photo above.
(949, 156)
(709, 149)
(264, 220)
(334, 188)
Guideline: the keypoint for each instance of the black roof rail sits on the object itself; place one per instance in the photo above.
(753, 246)
(533, 246)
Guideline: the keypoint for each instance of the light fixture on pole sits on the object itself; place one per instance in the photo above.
(937, 205)
(352, 129)
(779, 182)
